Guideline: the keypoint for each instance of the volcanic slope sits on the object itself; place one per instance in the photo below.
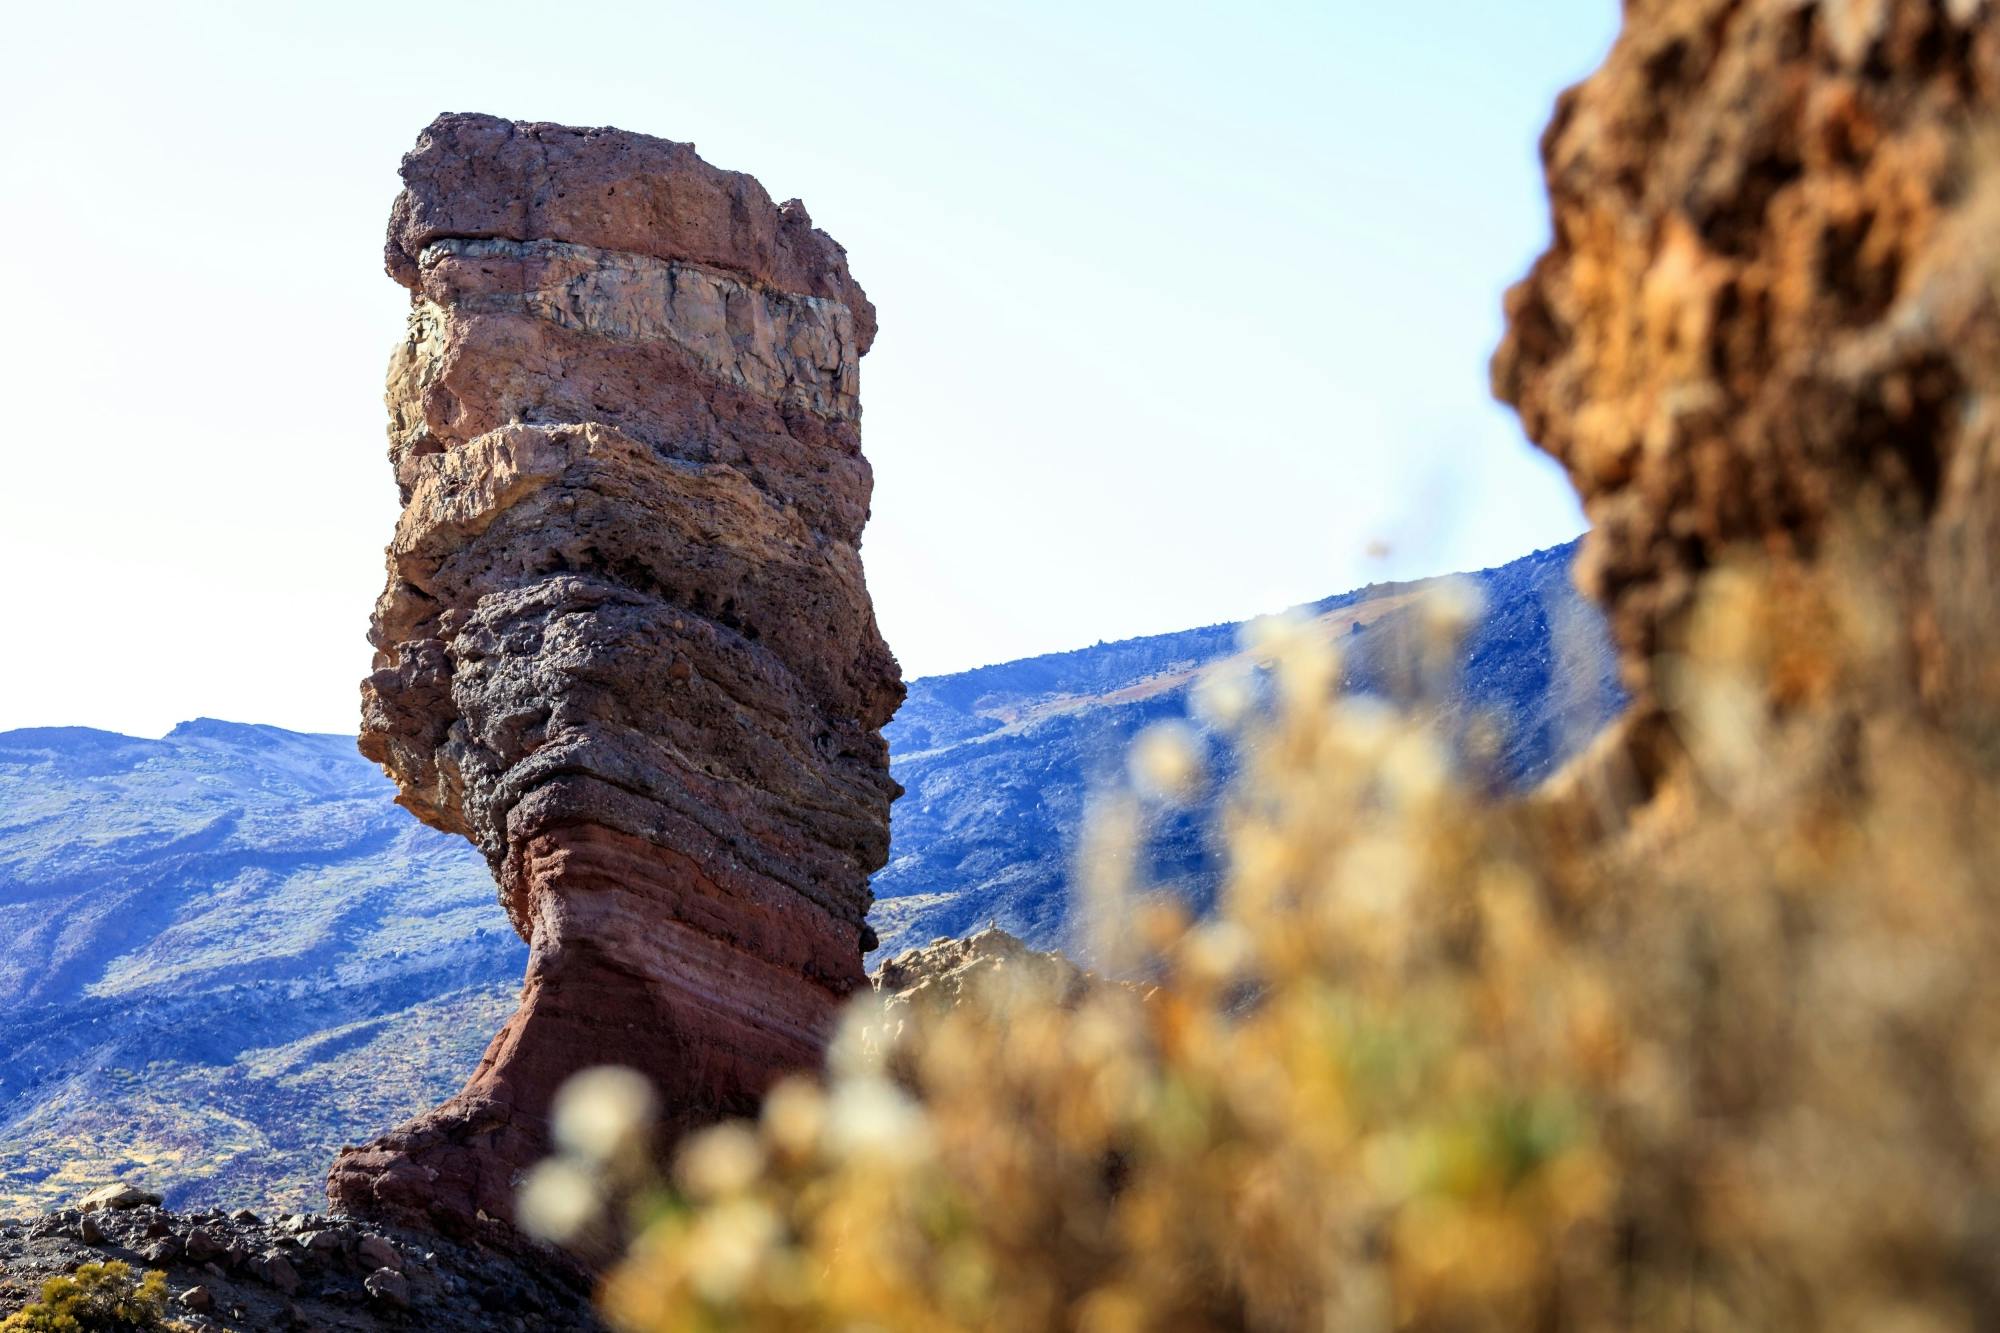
(999, 763)
(226, 952)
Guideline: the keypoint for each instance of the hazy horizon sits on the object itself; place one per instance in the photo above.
(1183, 314)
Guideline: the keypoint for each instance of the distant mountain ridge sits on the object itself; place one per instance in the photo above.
(999, 761)
(211, 940)
(226, 952)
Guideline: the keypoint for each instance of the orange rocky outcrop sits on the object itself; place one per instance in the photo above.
(1768, 308)
(626, 646)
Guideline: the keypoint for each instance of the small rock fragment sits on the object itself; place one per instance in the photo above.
(203, 1243)
(277, 1270)
(378, 1252)
(389, 1287)
(88, 1231)
(198, 1298)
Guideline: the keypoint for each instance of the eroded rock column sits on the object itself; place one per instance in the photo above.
(626, 646)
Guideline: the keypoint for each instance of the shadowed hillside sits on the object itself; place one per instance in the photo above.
(998, 763)
(226, 953)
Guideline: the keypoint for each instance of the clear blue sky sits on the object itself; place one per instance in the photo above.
(1183, 306)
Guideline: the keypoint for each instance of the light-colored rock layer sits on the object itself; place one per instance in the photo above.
(793, 349)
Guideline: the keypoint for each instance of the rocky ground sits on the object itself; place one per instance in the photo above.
(297, 1271)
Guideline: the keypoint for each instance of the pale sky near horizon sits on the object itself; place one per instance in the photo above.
(1183, 307)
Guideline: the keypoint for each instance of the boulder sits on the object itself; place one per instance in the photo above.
(377, 1252)
(117, 1195)
(389, 1287)
(324, 1242)
(277, 1270)
(939, 975)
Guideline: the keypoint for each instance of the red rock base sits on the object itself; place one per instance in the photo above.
(639, 957)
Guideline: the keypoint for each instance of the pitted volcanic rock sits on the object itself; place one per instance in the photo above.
(626, 646)
(1769, 308)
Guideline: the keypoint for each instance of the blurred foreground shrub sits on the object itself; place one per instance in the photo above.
(1435, 1064)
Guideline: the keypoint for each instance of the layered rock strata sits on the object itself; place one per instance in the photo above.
(626, 646)
(1769, 308)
